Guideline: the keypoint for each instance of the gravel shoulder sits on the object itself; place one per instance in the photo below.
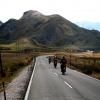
(17, 88)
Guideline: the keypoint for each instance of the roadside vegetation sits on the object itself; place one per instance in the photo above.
(88, 63)
(12, 63)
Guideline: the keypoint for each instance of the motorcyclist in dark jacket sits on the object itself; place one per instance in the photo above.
(49, 59)
(55, 61)
(63, 63)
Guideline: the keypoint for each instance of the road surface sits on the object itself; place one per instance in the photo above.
(49, 84)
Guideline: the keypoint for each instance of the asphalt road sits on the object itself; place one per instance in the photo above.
(49, 84)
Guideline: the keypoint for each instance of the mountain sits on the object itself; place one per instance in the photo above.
(49, 31)
(1, 23)
(89, 25)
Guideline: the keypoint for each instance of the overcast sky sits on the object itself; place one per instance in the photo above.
(73, 10)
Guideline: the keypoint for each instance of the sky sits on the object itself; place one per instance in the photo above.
(73, 10)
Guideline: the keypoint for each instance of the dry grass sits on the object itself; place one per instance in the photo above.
(13, 62)
(88, 63)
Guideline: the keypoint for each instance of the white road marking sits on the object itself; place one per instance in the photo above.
(67, 84)
(29, 86)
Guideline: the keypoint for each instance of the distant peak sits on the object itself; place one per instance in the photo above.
(31, 13)
(1, 23)
(11, 20)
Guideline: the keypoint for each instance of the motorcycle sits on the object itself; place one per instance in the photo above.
(55, 64)
(63, 69)
(49, 60)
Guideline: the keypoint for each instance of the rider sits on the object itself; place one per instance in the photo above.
(49, 59)
(55, 61)
(63, 64)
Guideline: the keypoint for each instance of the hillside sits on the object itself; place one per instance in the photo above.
(1, 23)
(49, 31)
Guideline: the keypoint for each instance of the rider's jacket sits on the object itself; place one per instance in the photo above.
(63, 61)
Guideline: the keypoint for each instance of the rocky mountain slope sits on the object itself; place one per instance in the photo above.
(49, 31)
(1, 23)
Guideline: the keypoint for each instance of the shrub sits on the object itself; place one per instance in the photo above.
(87, 69)
(12, 63)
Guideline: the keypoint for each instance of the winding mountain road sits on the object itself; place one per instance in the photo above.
(49, 84)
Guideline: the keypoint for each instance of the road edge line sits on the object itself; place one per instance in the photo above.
(30, 82)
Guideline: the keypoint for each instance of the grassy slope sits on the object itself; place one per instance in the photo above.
(20, 45)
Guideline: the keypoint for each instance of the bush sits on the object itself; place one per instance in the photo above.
(87, 69)
(12, 63)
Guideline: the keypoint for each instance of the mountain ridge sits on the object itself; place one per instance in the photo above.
(1, 23)
(51, 31)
